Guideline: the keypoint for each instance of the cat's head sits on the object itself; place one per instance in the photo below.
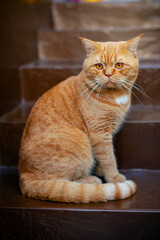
(111, 63)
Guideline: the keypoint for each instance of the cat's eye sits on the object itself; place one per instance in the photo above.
(119, 65)
(99, 66)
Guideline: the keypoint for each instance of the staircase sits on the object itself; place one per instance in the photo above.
(137, 145)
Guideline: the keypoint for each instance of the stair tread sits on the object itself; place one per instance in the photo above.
(145, 200)
(137, 113)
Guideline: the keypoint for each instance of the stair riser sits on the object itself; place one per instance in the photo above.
(97, 16)
(10, 137)
(137, 145)
(36, 81)
(9, 96)
(67, 45)
(90, 224)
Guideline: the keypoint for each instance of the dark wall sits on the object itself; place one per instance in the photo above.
(20, 21)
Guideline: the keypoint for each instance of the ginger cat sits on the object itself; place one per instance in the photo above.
(70, 129)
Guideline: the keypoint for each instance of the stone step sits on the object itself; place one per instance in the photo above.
(38, 77)
(96, 16)
(53, 45)
(136, 145)
(133, 218)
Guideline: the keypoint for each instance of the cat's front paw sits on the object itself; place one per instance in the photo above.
(118, 178)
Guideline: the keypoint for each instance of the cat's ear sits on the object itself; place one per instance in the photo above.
(89, 45)
(133, 44)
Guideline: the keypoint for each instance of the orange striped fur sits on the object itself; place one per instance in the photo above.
(73, 124)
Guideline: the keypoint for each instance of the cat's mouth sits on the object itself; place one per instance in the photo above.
(110, 84)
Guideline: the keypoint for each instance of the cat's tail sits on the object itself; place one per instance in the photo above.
(69, 191)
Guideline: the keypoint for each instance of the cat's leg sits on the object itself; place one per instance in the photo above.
(104, 154)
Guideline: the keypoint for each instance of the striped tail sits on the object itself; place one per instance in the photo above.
(68, 191)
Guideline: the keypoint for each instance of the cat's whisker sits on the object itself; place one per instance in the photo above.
(139, 86)
(142, 92)
(88, 88)
(126, 80)
(121, 88)
(139, 90)
(99, 91)
(89, 94)
(131, 92)
(135, 84)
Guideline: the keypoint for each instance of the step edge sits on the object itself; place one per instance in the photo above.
(79, 62)
(142, 3)
(114, 29)
(156, 211)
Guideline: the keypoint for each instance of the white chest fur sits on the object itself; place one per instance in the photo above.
(122, 100)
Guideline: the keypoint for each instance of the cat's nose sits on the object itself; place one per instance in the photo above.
(108, 75)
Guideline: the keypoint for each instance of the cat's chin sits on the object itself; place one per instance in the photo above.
(110, 85)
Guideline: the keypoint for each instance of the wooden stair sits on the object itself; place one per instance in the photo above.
(84, 17)
(136, 145)
(134, 218)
